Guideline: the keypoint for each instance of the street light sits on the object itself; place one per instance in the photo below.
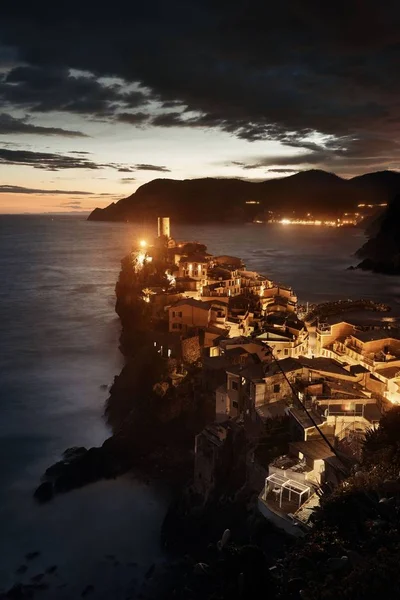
(143, 243)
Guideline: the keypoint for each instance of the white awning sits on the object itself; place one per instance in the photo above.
(284, 483)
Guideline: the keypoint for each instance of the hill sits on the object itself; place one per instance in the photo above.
(227, 200)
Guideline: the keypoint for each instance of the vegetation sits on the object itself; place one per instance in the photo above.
(354, 547)
(351, 553)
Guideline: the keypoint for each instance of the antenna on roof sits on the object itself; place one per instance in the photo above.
(309, 415)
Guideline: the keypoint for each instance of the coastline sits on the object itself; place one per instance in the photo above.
(136, 348)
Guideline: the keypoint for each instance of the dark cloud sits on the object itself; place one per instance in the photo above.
(145, 167)
(132, 118)
(44, 160)
(73, 204)
(52, 161)
(171, 119)
(255, 70)
(57, 89)
(283, 171)
(355, 156)
(172, 104)
(128, 179)
(16, 189)
(10, 125)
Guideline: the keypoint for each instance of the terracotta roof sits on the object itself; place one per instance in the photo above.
(196, 258)
(313, 449)
(376, 335)
(286, 365)
(192, 302)
(324, 364)
(389, 372)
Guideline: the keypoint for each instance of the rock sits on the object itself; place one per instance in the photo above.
(22, 569)
(37, 577)
(391, 487)
(378, 525)
(18, 592)
(88, 590)
(241, 583)
(355, 558)
(51, 569)
(41, 586)
(89, 467)
(225, 539)
(387, 508)
(44, 492)
(295, 585)
(54, 470)
(32, 555)
(150, 571)
(201, 569)
(305, 564)
(336, 564)
(73, 453)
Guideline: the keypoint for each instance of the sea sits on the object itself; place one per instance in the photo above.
(58, 357)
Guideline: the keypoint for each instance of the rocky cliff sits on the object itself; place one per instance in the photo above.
(381, 253)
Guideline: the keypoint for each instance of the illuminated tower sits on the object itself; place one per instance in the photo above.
(163, 227)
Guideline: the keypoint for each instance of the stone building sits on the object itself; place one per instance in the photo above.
(188, 313)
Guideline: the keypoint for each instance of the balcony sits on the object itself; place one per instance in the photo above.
(287, 493)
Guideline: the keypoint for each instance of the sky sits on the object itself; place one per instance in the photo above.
(97, 99)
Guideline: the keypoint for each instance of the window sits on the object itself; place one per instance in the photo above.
(235, 404)
(235, 385)
(176, 325)
(286, 352)
(277, 388)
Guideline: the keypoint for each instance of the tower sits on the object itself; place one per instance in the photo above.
(163, 227)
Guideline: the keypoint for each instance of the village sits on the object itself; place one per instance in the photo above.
(320, 383)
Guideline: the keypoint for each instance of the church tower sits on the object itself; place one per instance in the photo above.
(164, 227)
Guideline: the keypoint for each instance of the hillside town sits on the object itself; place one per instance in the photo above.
(324, 382)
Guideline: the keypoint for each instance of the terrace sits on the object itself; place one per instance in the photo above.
(284, 496)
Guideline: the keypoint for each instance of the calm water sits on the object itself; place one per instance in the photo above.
(58, 347)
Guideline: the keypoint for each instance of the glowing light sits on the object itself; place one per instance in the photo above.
(143, 243)
(285, 222)
(171, 279)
